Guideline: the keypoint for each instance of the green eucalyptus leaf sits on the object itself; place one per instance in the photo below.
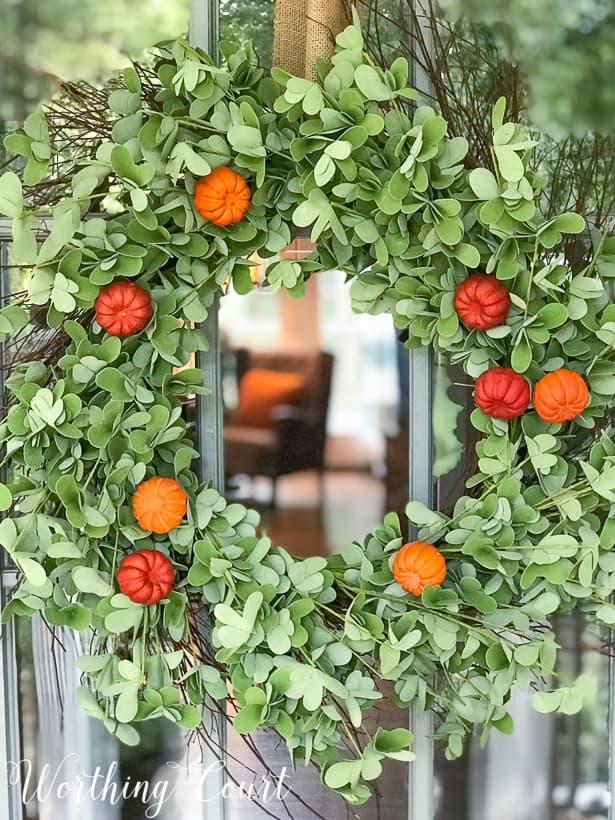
(88, 580)
(11, 198)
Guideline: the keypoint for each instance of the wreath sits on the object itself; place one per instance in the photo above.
(179, 597)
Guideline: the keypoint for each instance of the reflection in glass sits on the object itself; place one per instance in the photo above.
(61, 747)
(554, 767)
(72, 768)
(454, 436)
(580, 752)
(252, 20)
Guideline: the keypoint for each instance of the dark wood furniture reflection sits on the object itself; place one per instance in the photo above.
(296, 440)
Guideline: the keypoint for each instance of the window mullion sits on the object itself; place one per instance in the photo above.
(209, 423)
(420, 483)
(10, 748)
(420, 441)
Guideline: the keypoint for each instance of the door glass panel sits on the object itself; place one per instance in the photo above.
(363, 413)
(329, 460)
(554, 767)
(72, 768)
(308, 507)
(366, 433)
(68, 765)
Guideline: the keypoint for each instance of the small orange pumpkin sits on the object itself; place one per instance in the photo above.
(419, 565)
(123, 308)
(222, 197)
(145, 576)
(560, 396)
(159, 504)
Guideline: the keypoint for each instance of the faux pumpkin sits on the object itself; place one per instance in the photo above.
(502, 393)
(560, 396)
(145, 576)
(419, 565)
(222, 197)
(123, 308)
(159, 504)
(481, 301)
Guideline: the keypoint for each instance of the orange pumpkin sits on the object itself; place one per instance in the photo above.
(419, 565)
(222, 197)
(123, 308)
(560, 396)
(145, 576)
(159, 504)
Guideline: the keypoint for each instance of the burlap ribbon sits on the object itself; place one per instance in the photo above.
(305, 30)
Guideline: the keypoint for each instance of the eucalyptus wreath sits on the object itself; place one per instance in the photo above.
(302, 646)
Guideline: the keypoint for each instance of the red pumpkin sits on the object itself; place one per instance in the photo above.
(222, 197)
(418, 565)
(123, 308)
(145, 576)
(502, 393)
(159, 504)
(560, 396)
(481, 301)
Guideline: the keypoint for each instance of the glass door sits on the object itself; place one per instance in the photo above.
(60, 763)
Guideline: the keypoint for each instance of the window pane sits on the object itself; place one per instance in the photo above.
(242, 20)
(365, 474)
(554, 767)
(46, 42)
(72, 768)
